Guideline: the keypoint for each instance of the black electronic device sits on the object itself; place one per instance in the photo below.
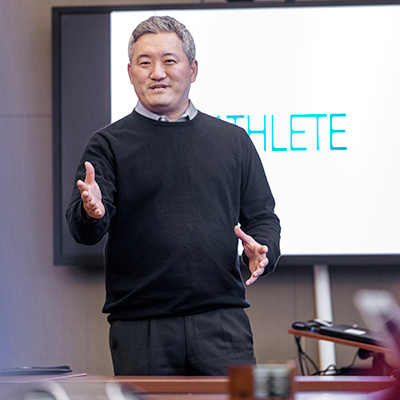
(61, 369)
(350, 332)
(313, 325)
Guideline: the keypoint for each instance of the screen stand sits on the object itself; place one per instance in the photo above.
(323, 308)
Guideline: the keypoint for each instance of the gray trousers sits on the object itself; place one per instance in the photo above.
(199, 344)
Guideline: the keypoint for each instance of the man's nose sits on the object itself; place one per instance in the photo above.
(158, 71)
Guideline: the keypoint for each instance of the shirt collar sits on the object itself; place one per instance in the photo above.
(189, 114)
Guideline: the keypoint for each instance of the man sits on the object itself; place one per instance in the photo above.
(169, 185)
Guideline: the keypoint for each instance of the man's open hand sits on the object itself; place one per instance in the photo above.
(255, 252)
(91, 194)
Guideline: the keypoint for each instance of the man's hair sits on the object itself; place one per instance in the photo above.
(164, 24)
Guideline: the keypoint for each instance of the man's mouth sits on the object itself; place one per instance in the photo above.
(158, 87)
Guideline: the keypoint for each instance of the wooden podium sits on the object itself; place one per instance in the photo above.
(315, 335)
(379, 363)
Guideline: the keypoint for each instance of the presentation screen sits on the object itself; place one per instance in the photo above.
(316, 87)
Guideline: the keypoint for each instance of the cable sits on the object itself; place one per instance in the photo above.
(304, 358)
(343, 370)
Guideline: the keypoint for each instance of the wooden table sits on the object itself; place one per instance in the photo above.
(197, 388)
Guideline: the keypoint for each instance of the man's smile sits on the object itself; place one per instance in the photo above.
(158, 86)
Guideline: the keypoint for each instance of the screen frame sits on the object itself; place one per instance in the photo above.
(96, 260)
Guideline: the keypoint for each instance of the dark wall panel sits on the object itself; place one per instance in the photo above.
(84, 91)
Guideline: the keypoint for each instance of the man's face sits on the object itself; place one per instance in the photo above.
(161, 74)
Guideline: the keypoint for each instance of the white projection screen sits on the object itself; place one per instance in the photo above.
(315, 85)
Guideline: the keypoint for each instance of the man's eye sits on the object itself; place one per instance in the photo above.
(170, 61)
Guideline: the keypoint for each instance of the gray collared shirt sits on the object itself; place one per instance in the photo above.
(189, 114)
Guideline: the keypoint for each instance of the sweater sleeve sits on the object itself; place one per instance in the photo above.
(91, 231)
(257, 215)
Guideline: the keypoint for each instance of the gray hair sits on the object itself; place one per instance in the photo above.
(164, 24)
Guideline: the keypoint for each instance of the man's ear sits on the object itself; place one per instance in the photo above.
(130, 73)
(193, 71)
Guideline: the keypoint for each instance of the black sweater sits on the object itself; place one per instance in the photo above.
(173, 193)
